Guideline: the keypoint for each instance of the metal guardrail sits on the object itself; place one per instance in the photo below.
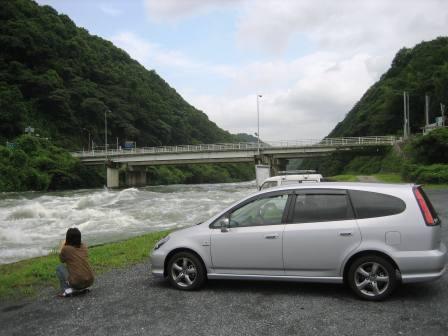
(245, 146)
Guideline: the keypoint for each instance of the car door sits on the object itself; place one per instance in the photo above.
(321, 231)
(252, 243)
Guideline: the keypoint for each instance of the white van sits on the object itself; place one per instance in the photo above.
(307, 177)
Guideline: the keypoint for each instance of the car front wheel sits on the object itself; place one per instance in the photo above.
(185, 271)
(372, 278)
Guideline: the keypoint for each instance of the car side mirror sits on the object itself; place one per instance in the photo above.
(225, 224)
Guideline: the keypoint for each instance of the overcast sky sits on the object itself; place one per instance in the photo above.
(310, 59)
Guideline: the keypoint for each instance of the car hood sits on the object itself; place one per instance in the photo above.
(184, 230)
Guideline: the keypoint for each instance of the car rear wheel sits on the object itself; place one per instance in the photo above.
(185, 271)
(372, 278)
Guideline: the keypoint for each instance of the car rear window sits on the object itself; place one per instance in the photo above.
(369, 204)
(321, 208)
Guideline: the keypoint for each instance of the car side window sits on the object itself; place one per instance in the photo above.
(321, 208)
(268, 184)
(369, 204)
(262, 211)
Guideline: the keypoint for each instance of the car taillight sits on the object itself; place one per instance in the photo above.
(429, 219)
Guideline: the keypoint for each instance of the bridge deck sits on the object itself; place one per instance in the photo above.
(230, 152)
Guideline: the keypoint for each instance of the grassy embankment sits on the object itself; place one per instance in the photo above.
(386, 178)
(343, 178)
(396, 178)
(423, 160)
(25, 278)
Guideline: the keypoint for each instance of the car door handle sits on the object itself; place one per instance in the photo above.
(346, 234)
(272, 236)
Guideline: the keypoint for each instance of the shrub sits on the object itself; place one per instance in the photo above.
(36, 164)
(392, 162)
(430, 148)
(436, 173)
(364, 165)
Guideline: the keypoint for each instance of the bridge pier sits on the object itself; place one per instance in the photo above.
(275, 163)
(281, 164)
(112, 177)
(135, 177)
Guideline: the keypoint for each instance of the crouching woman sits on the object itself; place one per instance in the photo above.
(77, 273)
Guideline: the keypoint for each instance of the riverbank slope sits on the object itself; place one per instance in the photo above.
(28, 277)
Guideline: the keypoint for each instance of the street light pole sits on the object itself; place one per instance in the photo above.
(88, 144)
(405, 117)
(258, 122)
(105, 130)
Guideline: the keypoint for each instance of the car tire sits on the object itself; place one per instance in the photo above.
(372, 278)
(185, 271)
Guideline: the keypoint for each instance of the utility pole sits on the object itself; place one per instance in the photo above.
(442, 109)
(258, 122)
(426, 110)
(406, 124)
(408, 115)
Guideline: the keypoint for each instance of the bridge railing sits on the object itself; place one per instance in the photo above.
(326, 142)
(372, 140)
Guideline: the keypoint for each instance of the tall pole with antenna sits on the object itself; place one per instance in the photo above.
(258, 122)
(405, 119)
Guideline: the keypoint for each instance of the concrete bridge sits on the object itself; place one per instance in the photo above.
(134, 162)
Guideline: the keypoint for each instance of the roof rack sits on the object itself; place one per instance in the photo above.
(293, 172)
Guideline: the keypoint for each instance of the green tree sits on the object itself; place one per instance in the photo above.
(12, 111)
(430, 148)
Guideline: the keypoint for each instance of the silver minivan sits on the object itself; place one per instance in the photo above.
(369, 236)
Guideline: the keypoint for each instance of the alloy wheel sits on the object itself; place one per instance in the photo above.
(371, 279)
(184, 272)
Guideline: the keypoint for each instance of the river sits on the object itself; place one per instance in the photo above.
(33, 223)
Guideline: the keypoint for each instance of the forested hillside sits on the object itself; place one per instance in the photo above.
(419, 71)
(59, 79)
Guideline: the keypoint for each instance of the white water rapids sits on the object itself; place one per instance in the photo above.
(32, 224)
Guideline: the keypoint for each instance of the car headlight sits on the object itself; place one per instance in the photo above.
(161, 242)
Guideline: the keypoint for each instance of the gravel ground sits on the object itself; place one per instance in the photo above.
(131, 302)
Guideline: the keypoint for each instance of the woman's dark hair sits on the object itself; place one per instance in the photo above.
(73, 237)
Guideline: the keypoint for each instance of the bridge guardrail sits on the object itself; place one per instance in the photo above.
(348, 141)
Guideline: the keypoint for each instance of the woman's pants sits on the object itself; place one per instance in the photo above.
(62, 273)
